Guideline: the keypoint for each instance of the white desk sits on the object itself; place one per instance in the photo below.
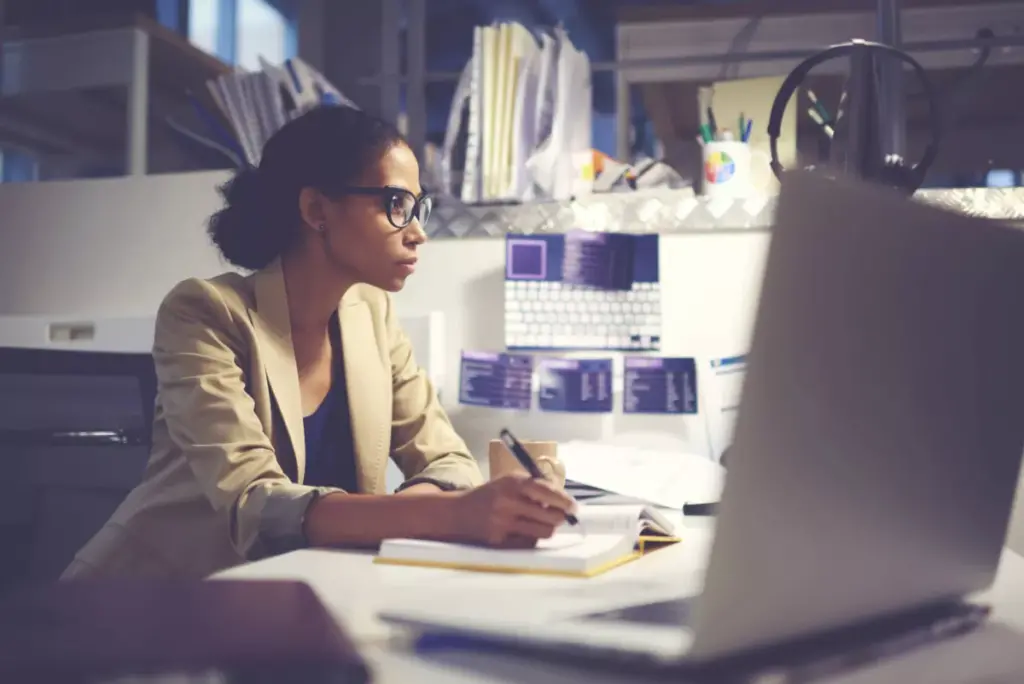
(354, 590)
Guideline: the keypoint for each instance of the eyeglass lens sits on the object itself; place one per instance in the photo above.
(402, 209)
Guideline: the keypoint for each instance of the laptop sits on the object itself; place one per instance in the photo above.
(875, 453)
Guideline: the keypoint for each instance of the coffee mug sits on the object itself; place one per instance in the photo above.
(544, 454)
(735, 170)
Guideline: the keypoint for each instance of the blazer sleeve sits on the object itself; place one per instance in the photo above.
(424, 443)
(199, 355)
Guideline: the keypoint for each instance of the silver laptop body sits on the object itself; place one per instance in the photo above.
(880, 434)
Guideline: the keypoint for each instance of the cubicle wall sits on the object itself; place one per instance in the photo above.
(112, 248)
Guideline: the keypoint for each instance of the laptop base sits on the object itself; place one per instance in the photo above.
(806, 660)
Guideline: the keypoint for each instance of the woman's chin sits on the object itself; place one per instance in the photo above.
(394, 284)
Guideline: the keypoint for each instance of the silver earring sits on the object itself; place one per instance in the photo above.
(321, 227)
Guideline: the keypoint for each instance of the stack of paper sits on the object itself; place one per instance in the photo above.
(664, 478)
(257, 104)
(528, 130)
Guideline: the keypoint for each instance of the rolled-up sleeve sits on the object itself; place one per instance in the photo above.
(200, 359)
(424, 443)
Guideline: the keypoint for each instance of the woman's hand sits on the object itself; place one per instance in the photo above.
(513, 511)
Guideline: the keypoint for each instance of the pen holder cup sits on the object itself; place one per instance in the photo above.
(544, 454)
(735, 170)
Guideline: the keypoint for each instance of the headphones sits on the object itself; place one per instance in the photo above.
(892, 170)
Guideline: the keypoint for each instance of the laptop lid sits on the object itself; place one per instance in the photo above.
(879, 438)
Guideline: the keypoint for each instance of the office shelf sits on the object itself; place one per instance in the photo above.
(99, 92)
(671, 211)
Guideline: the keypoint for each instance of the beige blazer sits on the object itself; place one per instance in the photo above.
(224, 480)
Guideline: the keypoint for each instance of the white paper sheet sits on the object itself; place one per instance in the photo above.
(662, 478)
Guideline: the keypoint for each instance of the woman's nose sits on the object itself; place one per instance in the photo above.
(414, 233)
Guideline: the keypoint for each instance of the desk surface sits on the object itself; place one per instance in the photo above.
(354, 590)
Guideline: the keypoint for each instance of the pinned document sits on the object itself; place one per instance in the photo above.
(722, 392)
(576, 385)
(496, 380)
(659, 385)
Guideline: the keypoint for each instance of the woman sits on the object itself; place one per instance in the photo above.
(282, 394)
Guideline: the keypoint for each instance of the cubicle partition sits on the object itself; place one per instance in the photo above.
(74, 439)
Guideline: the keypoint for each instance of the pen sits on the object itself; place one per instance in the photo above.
(746, 131)
(820, 108)
(821, 122)
(524, 458)
(712, 124)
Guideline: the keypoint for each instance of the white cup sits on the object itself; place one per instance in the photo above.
(734, 170)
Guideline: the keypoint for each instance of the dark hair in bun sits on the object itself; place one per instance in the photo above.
(326, 148)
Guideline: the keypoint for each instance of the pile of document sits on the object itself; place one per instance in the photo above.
(661, 477)
(257, 104)
(520, 121)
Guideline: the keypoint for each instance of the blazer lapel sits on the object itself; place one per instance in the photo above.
(368, 382)
(274, 336)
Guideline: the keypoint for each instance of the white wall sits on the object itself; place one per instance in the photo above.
(110, 247)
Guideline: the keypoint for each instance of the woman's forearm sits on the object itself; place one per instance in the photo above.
(366, 520)
(421, 488)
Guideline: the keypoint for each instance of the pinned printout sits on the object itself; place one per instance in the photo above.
(659, 385)
(496, 380)
(723, 389)
(575, 385)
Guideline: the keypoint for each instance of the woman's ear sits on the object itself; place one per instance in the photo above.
(312, 208)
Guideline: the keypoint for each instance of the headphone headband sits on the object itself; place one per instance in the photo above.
(915, 174)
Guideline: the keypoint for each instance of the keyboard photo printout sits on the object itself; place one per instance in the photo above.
(582, 290)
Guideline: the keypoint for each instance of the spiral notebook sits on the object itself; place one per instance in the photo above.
(606, 537)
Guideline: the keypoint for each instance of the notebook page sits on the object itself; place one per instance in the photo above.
(630, 519)
(618, 520)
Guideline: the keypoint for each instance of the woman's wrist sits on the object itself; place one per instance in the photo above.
(439, 517)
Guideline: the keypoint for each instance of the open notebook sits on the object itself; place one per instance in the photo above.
(606, 537)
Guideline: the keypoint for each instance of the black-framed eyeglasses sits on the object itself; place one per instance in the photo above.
(399, 204)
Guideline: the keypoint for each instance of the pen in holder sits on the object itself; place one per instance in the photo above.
(734, 170)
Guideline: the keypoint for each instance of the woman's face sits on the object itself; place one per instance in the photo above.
(360, 238)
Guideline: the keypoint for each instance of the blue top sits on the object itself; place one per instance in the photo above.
(330, 453)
